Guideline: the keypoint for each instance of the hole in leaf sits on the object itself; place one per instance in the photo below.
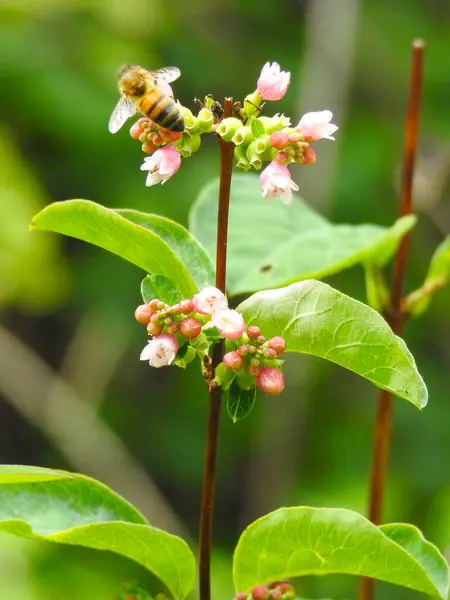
(265, 268)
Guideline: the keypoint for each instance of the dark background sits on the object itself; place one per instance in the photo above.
(67, 308)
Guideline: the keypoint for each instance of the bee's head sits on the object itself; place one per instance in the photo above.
(131, 81)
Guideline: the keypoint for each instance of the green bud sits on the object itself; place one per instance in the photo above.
(228, 128)
(242, 136)
(275, 123)
(241, 157)
(252, 104)
(188, 144)
(205, 120)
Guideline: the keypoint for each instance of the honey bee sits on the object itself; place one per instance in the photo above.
(141, 92)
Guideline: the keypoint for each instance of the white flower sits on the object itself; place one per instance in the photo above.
(160, 350)
(164, 163)
(229, 323)
(316, 126)
(209, 300)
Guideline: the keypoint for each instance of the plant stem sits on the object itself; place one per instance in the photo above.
(215, 393)
(394, 314)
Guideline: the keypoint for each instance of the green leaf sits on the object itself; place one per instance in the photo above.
(26, 474)
(437, 277)
(186, 247)
(316, 319)
(271, 244)
(257, 128)
(240, 402)
(293, 542)
(80, 511)
(104, 227)
(161, 287)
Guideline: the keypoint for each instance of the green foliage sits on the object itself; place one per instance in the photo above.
(26, 474)
(316, 319)
(106, 228)
(239, 402)
(80, 511)
(160, 287)
(271, 244)
(292, 542)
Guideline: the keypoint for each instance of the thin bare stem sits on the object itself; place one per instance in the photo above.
(215, 393)
(395, 316)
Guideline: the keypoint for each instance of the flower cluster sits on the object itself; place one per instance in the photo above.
(186, 329)
(257, 139)
(278, 590)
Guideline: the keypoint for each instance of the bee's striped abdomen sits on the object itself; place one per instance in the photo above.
(163, 110)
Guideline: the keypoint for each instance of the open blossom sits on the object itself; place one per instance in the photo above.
(209, 300)
(273, 83)
(161, 350)
(229, 323)
(316, 126)
(164, 163)
(276, 181)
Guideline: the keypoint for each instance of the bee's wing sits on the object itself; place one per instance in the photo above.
(167, 74)
(124, 109)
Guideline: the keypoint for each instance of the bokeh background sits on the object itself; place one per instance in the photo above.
(73, 392)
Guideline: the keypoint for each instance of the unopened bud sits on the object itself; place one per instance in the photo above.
(143, 314)
(270, 381)
(154, 304)
(172, 328)
(186, 306)
(285, 588)
(309, 156)
(161, 305)
(260, 339)
(260, 592)
(278, 344)
(243, 350)
(279, 140)
(190, 328)
(270, 353)
(274, 584)
(254, 362)
(241, 596)
(154, 328)
(149, 148)
(251, 370)
(168, 321)
(169, 136)
(233, 360)
(253, 332)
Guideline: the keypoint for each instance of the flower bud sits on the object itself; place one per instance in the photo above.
(205, 120)
(242, 136)
(270, 353)
(253, 332)
(254, 362)
(169, 136)
(309, 156)
(209, 300)
(270, 381)
(154, 328)
(149, 147)
(161, 350)
(137, 128)
(143, 314)
(273, 83)
(251, 370)
(154, 304)
(274, 584)
(172, 328)
(260, 339)
(278, 344)
(279, 140)
(260, 592)
(228, 128)
(186, 306)
(229, 323)
(190, 328)
(243, 350)
(233, 361)
(189, 144)
(241, 596)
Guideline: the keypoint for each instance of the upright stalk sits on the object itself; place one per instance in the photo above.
(215, 393)
(394, 315)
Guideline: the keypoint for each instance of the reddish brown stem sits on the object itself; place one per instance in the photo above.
(394, 316)
(215, 393)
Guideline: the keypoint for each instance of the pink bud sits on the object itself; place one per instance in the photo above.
(270, 353)
(276, 181)
(149, 148)
(154, 328)
(316, 126)
(241, 596)
(279, 140)
(164, 163)
(274, 585)
(172, 328)
(308, 157)
(278, 344)
(270, 381)
(233, 361)
(260, 592)
(190, 328)
(154, 304)
(282, 157)
(157, 139)
(243, 350)
(229, 323)
(253, 331)
(252, 370)
(138, 128)
(186, 306)
(273, 83)
(260, 339)
(295, 137)
(161, 350)
(209, 300)
(143, 313)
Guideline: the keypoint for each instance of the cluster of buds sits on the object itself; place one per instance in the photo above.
(257, 139)
(134, 591)
(195, 324)
(278, 590)
(254, 361)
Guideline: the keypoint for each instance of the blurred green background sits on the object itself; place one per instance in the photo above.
(74, 394)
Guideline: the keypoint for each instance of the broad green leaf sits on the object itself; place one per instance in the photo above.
(293, 542)
(104, 227)
(83, 512)
(186, 247)
(438, 275)
(316, 319)
(26, 474)
(240, 402)
(271, 244)
(161, 287)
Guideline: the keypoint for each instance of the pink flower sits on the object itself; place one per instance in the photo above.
(273, 83)
(229, 323)
(276, 181)
(270, 381)
(164, 163)
(316, 126)
(161, 350)
(209, 300)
